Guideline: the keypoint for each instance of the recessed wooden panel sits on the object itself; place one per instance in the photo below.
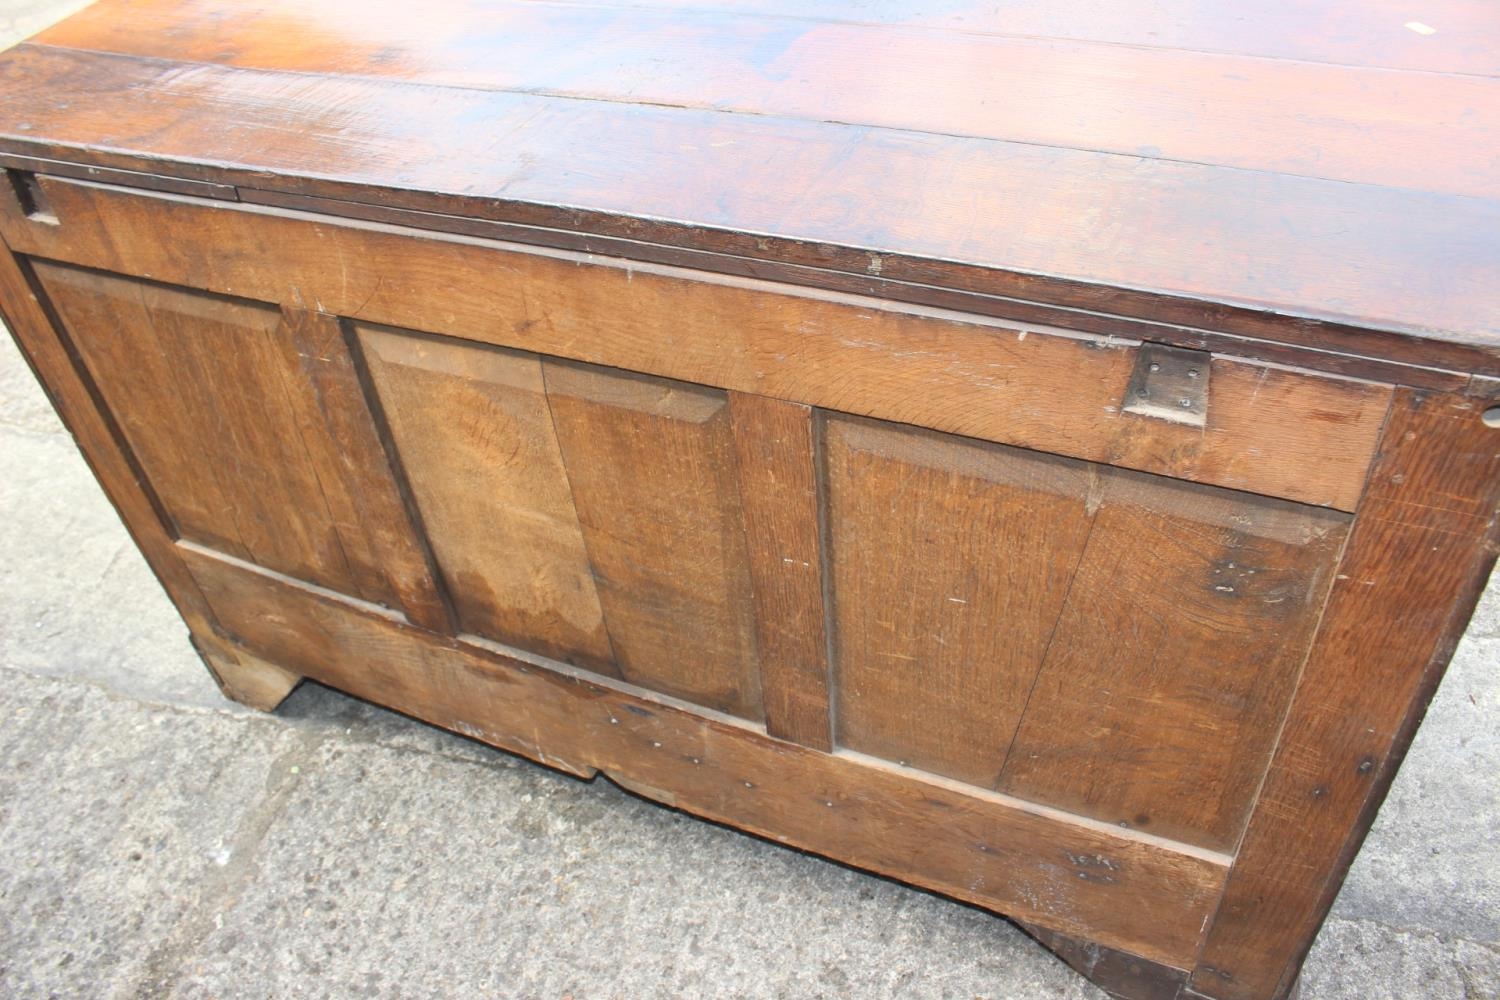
(473, 430)
(1174, 658)
(950, 561)
(652, 466)
(225, 426)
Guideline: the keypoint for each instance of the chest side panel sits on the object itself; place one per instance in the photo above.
(910, 555)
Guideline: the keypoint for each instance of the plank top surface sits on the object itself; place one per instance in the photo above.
(1301, 163)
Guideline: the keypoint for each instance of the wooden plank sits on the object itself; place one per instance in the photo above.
(201, 389)
(864, 283)
(1417, 559)
(1174, 657)
(652, 467)
(474, 433)
(1349, 32)
(1270, 430)
(375, 515)
(1179, 242)
(949, 563)
(1135, 893)
(1343, 123)
(776, 450)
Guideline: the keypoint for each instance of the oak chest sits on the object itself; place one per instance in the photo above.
(1043, 455)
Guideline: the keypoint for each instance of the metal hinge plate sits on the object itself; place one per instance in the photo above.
(1170, 383)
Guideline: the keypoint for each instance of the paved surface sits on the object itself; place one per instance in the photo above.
(156, 840)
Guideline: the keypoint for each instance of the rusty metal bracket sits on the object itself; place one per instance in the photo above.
(1170, 383)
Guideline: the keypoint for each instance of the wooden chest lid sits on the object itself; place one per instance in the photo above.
(1322, 174)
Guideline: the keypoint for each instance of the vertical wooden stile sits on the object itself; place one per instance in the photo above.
(379, 515)
(775, 446)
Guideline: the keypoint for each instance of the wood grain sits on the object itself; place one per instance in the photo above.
(1270, 430)
(1139, 894)
(776, 449)
(1304, 354)
(1417, 559)
(1173, 658)
(1352, 32)
(43, 343)
(372, 506)
(652, 467)
(1343, 123)
(474, 432)
(202, 387)
(1183, 242)
(248, 679)
(949, 564)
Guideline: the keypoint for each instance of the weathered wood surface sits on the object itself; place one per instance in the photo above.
(1244, 186)
(754, 430)
(474, 434)
(1270, 430)
(1297, 117)
(778, 449)
(1338, 32)
(252, 430)
(1187, 617)
(1139, 893)
(949, 563)
(652, 467)
(1417, 559)
(247, 679)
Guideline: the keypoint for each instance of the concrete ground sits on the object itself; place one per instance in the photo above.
(156, 840)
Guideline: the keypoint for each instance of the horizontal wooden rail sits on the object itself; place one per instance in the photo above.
(1124, 889)
(1270, 430)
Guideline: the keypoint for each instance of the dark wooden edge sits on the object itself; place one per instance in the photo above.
(111, 175)
(1432, 676)
(1341, 346)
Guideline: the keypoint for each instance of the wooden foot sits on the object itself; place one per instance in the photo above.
(1121, 975)
(244, 678)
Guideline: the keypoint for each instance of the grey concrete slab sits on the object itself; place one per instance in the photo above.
(1372, 960)
(79, 599)
(121, 825)
(1432, 860)
(465, 879)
